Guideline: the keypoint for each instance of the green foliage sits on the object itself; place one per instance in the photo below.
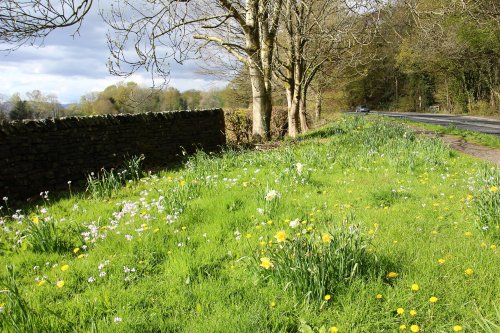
(415, 66)
(487, 200)
(16, 315)
(21, 110)
(106, 183)
(314, 265)
(43, 237)
(180, 250)
(489, 325)
(238, 126)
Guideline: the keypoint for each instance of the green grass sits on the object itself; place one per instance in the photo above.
(255, 242)
(483, 139)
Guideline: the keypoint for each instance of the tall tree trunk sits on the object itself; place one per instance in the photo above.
(293, 113)
(294, 108)
(267, 49)
(261, 95)
(448, 104)
(317, 108)
(261, 115)
(304, 126)
(289, 75)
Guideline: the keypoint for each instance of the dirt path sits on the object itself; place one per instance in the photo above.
(459, 144)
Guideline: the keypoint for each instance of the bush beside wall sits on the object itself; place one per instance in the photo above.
(40, 155)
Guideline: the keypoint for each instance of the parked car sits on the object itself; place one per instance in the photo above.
(362, 108)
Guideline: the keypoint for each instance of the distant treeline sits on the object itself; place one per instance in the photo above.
(126, 97)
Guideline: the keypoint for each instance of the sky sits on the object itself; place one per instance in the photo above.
(71, 67)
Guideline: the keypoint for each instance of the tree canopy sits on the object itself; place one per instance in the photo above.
(408, 55)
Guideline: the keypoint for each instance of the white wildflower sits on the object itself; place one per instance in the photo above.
(271, 195)
(295, 223)
(300, 167)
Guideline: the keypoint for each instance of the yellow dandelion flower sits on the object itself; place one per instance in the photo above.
(413, 313)
(266, 263)
(415, 287)
(467, 234)
(493, 189)
(76, 250)
(392, 275)
(493, 247)
(327, 238)
(379, 296)
(469, 272)
(35, 220)
(402, 327)
(81, 256)
(415, 328)
(41, 283)
(60, 284)
(457, 328)
(327, 297)
(280, 236)
(441, 261)
(333, 329)
(400, 311)
(248, 236)
(433, 299)
(182, 183)
(263, 243)
(64, 268)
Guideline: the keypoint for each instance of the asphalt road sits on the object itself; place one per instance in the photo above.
(476, 124)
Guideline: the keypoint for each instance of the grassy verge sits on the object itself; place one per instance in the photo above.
(361, 226)
(483, 139)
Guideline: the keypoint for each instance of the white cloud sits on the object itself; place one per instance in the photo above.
(73, 66)
(69, 88)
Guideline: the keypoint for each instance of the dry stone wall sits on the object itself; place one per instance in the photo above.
(40, 155)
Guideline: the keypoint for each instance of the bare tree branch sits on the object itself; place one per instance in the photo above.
(30, 22)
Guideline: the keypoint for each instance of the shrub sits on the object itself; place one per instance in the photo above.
(487, 200)
(238, 126)
(313, 265)
(279, 122)
(43, 237)
(106, 182)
